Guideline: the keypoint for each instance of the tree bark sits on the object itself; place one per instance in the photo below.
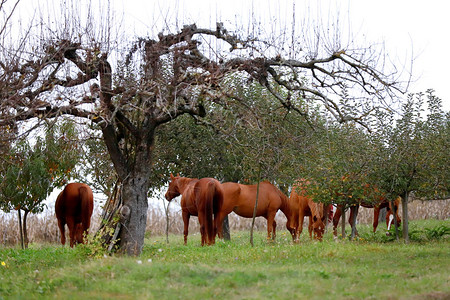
(133, 214)
(354, 216)
(382, 215)
(166, 210)
(256, 207)
(25, 232)
(254, 215)
(405, 217)
(20, 228)
(226, 229)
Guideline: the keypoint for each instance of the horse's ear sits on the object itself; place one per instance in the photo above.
(171, 176)
(178, 174)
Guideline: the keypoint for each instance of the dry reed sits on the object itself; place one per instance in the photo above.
(42, 228)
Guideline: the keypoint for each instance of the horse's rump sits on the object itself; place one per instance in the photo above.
(86, 199)
(74, 207)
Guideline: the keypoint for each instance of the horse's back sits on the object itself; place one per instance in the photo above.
(242, 198)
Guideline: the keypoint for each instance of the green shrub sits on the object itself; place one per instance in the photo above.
(437, 232)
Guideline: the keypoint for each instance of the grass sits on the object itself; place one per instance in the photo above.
(368, 268)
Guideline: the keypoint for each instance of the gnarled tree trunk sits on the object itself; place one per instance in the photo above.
(353, 220)
(133, 214)
(405, 217)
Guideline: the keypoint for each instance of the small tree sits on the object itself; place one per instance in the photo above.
(34, 171)
(339, 170)
(418, 153)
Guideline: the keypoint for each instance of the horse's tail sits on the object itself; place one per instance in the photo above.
(209, 211)
(217, 206)
(218, 197)
(86, 206)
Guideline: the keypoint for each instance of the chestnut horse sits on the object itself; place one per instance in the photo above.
(241, 199)
(199, 197)
(74, 207)
(302, 205)
(382, 203)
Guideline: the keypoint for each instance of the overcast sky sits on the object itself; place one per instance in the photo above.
(410, 29)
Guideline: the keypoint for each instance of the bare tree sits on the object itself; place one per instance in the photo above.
(159, 79)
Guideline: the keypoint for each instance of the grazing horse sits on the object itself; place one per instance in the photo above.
(241, 199)
(199, 197)
(382, 203)
(302, 205)
(74, 207)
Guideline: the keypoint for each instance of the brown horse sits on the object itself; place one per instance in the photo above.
(199, 197)
(241, 199)
(382, 203)
(302, 205)
(74, 207)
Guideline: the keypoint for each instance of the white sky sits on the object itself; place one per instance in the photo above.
(410, 29)
(415, 29)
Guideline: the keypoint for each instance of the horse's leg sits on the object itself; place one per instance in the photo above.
(202, 221)
(186, 225)
(72, 230)
(61, 225)
(292, 225)
(80, 233)
(270, 225)
(218, 220)
(353, 213)
(269, 229)
(274, 229)
(310, 227)
(376, 215)
(300, 227)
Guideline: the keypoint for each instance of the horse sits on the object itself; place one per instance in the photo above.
(241, 199)
(302, 205)
(201, 198)
(74, 207)
(377, 206)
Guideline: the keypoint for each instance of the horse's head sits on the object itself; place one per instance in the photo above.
(318, 227)
(173, 190)
(390, 213)
(319, 216)
(79, 233)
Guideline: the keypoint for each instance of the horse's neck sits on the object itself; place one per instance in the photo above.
(315, 208)
(285, 207)
(183, 184)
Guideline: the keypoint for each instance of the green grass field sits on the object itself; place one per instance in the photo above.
(369, 268)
